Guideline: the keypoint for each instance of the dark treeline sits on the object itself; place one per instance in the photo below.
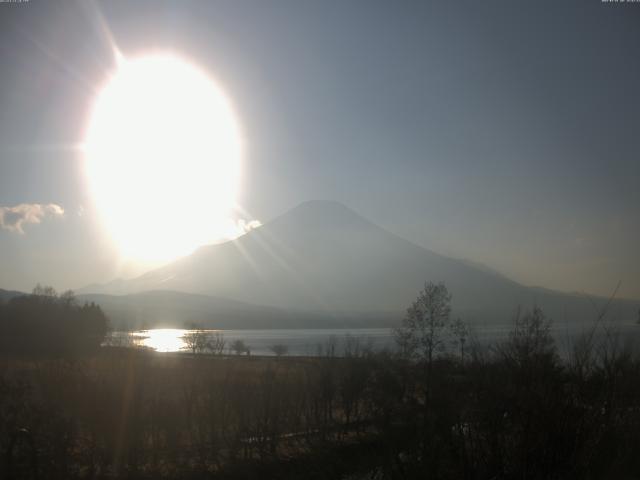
(436, 410)
(46, 323)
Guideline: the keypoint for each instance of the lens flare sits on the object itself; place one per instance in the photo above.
(163, 158)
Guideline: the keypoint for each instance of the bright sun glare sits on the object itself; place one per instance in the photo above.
(163, 158)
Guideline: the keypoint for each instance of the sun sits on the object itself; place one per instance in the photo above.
(163, 157)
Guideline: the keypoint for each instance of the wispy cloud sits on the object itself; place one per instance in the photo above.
(15, 218)
(245, 226)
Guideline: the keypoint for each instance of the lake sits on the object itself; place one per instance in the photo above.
(311, 342)
(299, 342)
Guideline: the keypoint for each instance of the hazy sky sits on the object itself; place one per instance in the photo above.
(499, 131)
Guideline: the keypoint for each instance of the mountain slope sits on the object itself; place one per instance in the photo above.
(323, 257)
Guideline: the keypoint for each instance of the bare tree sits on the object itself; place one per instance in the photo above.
(583, 356)
(530, 342)
(44, 291)
(460, 333)
(421, 334)
(357, 347)
(328, 348)
(239, 347)
(216, 343)
(196, 341)
(279, 349)
(68, 298)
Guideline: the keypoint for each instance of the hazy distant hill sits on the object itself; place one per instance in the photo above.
(6, 295)
(323, 257)
(155, 309)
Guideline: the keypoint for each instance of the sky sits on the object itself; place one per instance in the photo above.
(500, 132)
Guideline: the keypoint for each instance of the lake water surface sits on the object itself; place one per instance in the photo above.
(298, 341)
(303, 342)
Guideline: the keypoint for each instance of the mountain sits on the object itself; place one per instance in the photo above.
(322, 257)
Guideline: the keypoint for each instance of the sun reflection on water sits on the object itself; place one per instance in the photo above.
(162, 339)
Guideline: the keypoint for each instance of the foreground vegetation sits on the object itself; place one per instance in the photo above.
(515, 410)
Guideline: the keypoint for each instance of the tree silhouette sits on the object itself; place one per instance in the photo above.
(460, 333)
(279, 349)
(421, 334)
(196, 341)
(44, 322)
(239, 347)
